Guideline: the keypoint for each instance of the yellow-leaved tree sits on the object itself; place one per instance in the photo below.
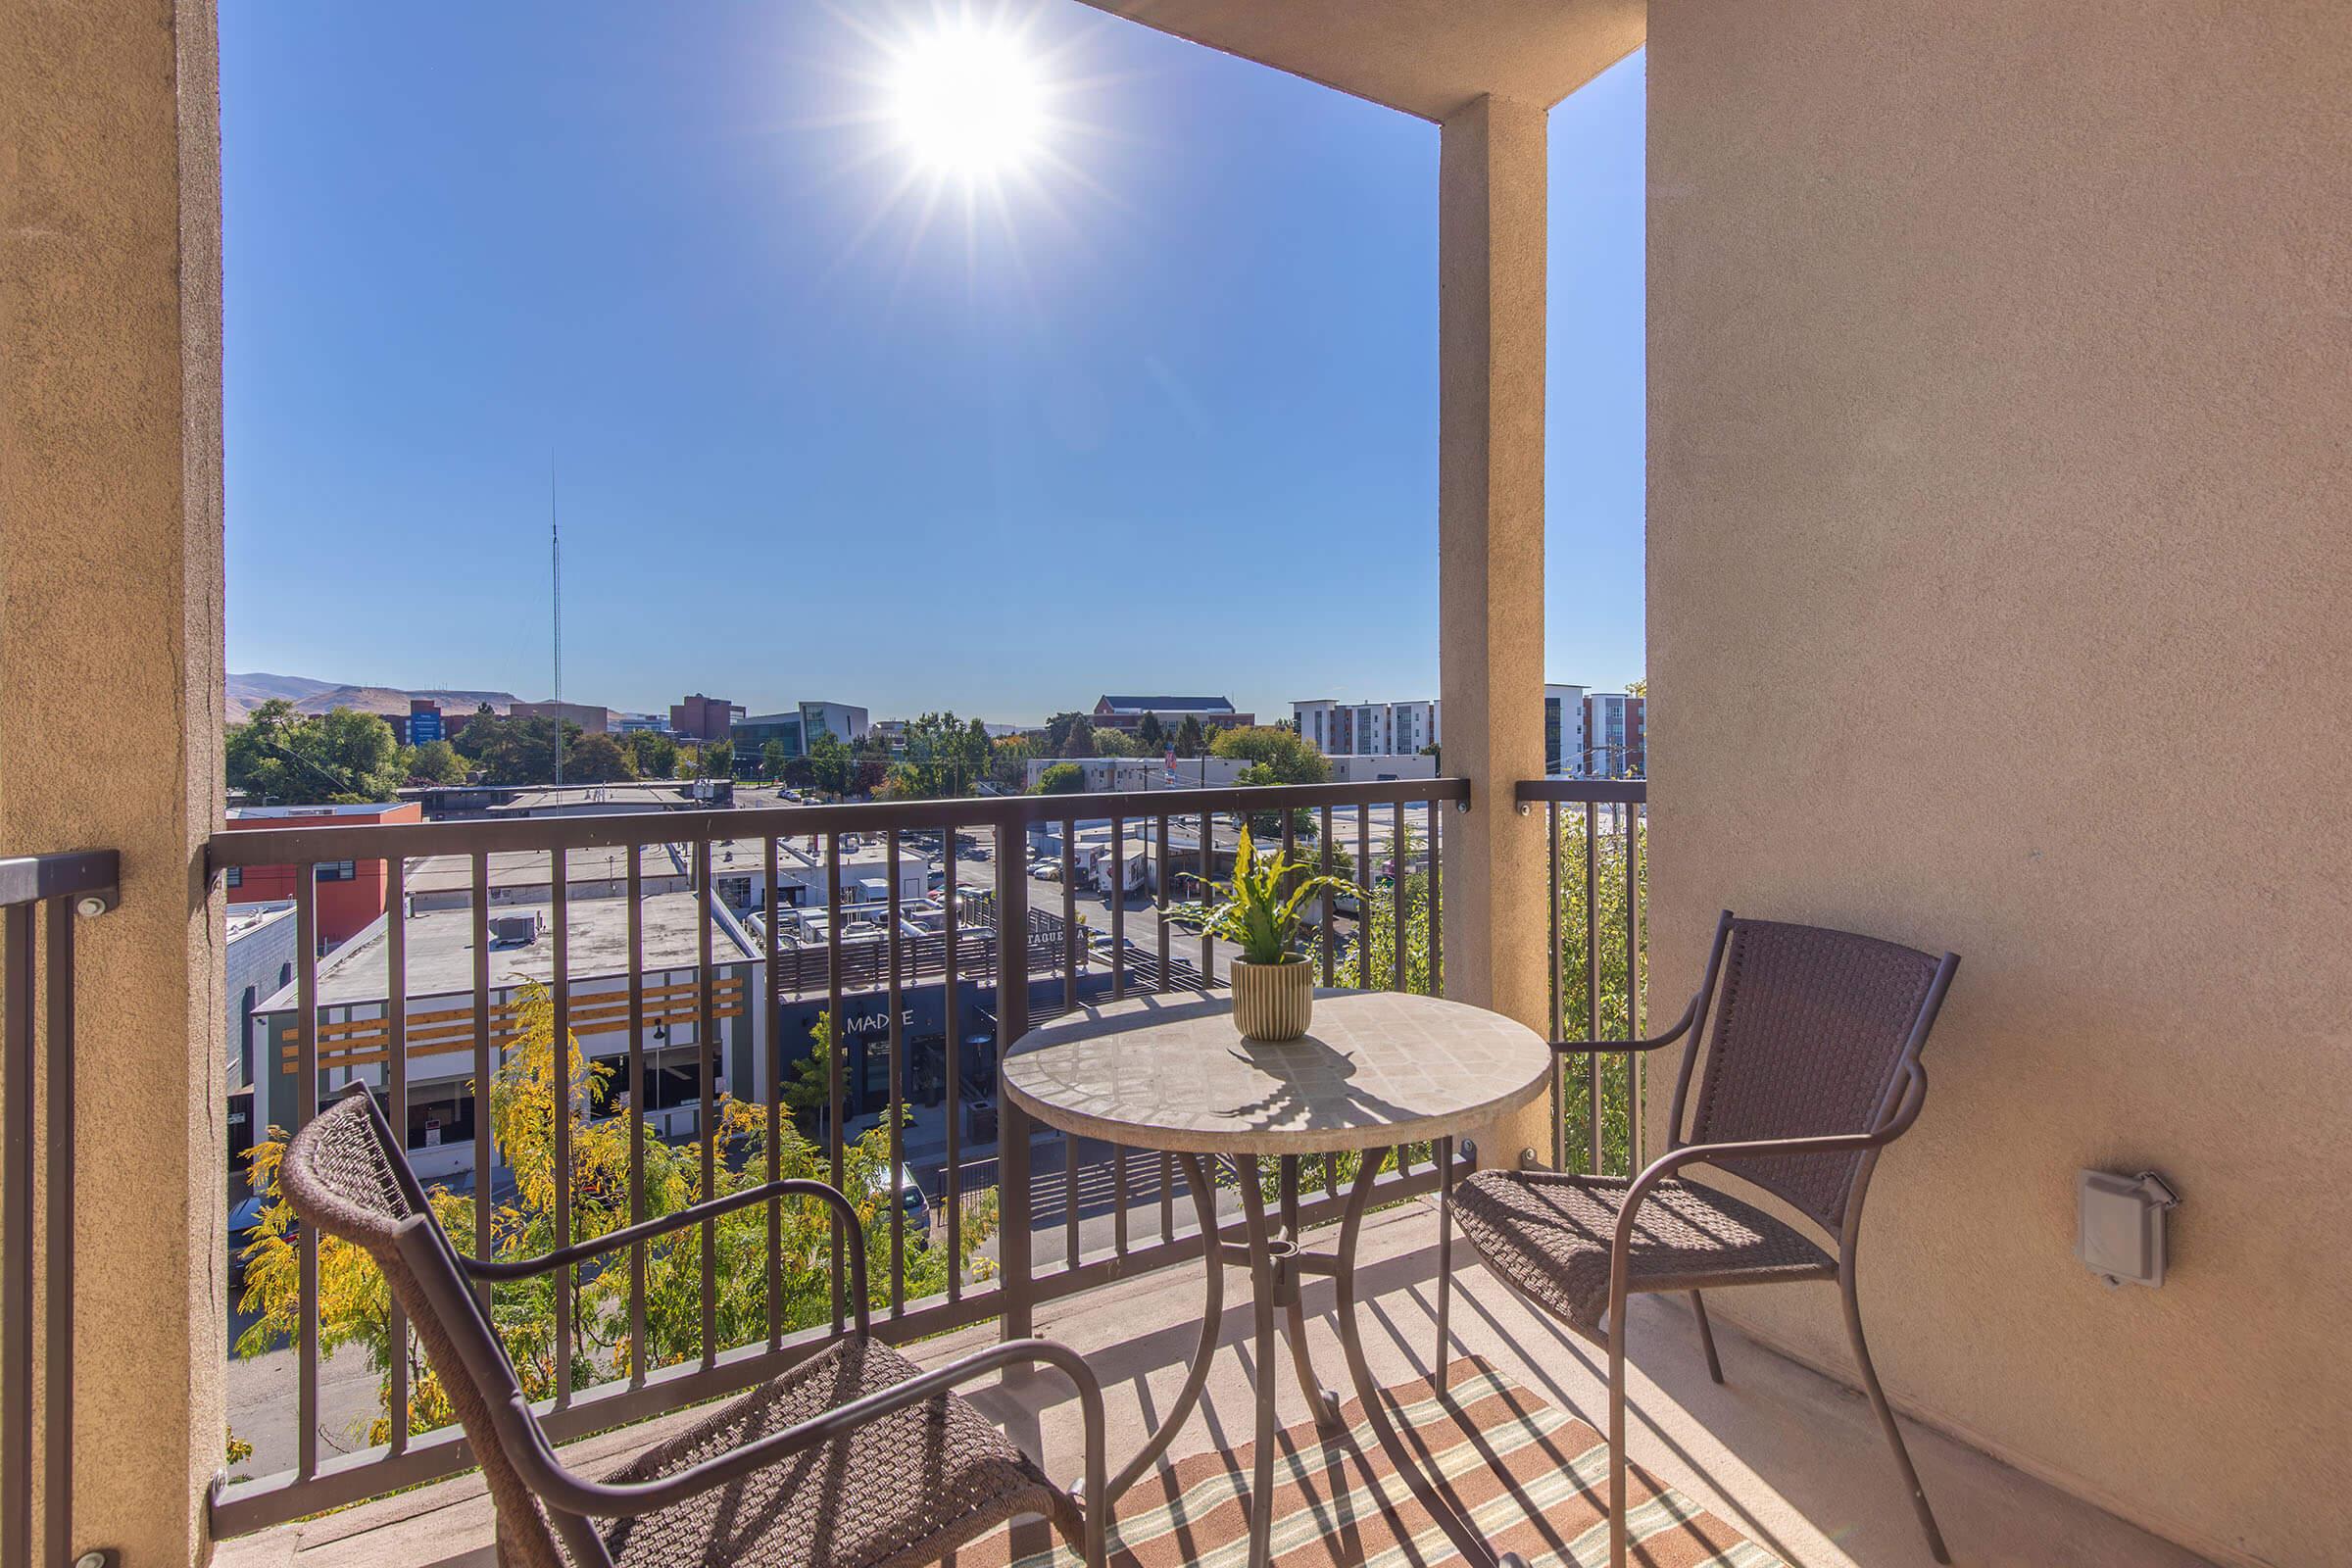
(354, 1304)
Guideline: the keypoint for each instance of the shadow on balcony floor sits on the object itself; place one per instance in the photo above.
(1786, 1457)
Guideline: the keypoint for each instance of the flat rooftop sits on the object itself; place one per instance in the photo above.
(441, 951)
(526, 868)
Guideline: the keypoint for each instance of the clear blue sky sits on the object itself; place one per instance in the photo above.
(1157, 413)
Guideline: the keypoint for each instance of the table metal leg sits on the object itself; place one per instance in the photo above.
(1213, 1316)
(1463, 1534)
(1262, 1290)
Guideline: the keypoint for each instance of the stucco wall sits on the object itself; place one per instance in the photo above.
(2000, 599)
(109, 604)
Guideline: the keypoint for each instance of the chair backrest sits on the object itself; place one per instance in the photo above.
(1814, 1030)
(345, 1174)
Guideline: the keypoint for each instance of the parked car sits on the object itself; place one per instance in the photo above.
(911, 1202)
(1046, 870)
(244, 1228)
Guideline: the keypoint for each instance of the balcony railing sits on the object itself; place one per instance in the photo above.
(987, 982)
(996, 1232)
(41, 893)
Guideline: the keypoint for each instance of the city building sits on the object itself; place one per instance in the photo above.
(838, 720)
(355, 1031)
(419, 724)
(1378, 768)
(259, 950)
(1616, 738)
(1129, 712)
(351, 893)
(795, 727)
(1364, 729)
(591, 717)
(633, 723)
(1109, 774)
(704, 718)
(1563, 730)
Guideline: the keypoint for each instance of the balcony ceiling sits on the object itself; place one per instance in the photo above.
(1425, 57)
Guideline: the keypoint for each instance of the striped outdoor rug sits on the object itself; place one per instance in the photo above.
(1535, 1480)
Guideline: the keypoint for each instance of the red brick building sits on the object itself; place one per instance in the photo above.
(351, 893)
(705, 718)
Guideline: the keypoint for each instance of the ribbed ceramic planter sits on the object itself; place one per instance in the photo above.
(1273, 1000)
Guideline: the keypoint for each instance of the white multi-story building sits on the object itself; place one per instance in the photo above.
(1364, 729)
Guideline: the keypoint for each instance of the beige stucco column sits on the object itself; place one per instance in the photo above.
(110, 697)
(1491, 201)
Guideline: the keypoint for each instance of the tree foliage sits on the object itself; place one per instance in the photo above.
(652, 754)
(338, 757)
(942, 757)
(1062, 778)
(1278, 749)
(434, 762)
(1152, 737)
(831, 767)
(354, 1303)
(1190, 738)
(1114, 742)
(511, 751)
(597, 760)
(1008, 761)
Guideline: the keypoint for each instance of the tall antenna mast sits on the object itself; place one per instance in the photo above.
(555, 541)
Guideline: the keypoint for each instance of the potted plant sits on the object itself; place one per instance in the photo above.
(1258, 911)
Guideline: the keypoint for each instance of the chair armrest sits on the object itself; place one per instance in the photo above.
(1613, 1048)
(498, 1269)
(1906, 1112)
(564, 1489)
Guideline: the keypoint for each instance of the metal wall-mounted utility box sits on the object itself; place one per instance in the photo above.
(2120, 1225)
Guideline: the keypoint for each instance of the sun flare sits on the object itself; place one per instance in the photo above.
(969, 98)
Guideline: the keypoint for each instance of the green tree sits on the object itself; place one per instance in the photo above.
(434, 762)
(342, 757)
(354, 1305)
(1080, 740)
(716, 759)
(830, 762)
(1151, 738)
(772, 759)
(654, 755)
(1008, 761)
(1189, 738)
(1279, 750)
(1057, 734)
(810, 1089)
(1112, 743)
(597, 760)
(511, 751)
(1062, 778)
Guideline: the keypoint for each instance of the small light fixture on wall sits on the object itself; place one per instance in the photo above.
(2120, 1225)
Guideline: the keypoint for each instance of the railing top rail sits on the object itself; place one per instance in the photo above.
(30, 878)
(381, 839)
(1599, 791)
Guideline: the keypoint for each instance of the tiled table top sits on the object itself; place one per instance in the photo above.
(1169, 1072)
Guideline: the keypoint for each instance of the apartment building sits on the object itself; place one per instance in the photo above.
(1129, 712)
(1616, 737)
(1363, 729)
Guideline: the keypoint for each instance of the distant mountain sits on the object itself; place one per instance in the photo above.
(248, 692)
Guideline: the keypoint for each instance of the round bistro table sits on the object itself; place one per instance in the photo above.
(1379, 1070)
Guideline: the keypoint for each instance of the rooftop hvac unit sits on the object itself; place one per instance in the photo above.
(519, 930)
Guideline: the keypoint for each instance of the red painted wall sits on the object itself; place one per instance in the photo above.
(345, 908)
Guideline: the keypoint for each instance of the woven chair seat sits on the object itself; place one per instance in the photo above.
(1549, 1234)
(904, 1489)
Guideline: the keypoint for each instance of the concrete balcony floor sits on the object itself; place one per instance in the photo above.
(1790, 1458)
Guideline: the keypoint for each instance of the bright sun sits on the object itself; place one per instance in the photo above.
(967, 99)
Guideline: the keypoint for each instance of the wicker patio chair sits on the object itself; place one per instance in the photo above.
(853, 1458)
(1812, 1070)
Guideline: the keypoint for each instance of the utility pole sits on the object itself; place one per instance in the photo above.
(555, 542)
